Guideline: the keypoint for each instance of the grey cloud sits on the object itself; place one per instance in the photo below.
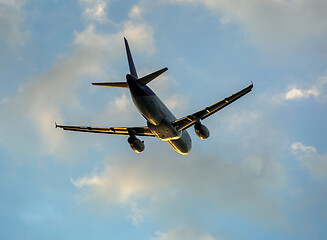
(274, 24)
(310, 159)
(171, 186)
(43, 99)
(11, 21)
(183, 234)
(38, 102)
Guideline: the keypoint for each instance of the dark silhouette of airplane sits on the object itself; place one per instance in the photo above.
(161, 123)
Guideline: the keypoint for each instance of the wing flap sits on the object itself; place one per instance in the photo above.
(139, 131)
(189, 120)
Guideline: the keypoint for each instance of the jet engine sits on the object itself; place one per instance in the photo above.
(136, 144)
(201, 130)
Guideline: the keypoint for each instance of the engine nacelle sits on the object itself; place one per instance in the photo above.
(201, 130)
(136, 144)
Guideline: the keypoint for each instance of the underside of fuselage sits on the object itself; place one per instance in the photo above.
(159, 118)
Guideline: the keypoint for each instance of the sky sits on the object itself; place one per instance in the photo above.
(262, 174)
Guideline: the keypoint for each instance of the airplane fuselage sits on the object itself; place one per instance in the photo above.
(159, 118)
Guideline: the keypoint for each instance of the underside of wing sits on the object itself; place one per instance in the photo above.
(139, 131)
(185, 122)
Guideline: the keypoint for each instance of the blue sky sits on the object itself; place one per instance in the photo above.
(261, 175)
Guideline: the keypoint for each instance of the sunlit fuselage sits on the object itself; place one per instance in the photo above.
(159, 118)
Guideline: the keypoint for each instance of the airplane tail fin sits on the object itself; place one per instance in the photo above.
(146, 79)
(143, 81)
(130, 60)
(131, 68)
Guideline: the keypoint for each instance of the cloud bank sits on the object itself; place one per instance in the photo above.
(166, 189)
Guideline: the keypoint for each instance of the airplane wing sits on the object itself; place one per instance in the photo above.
(139, 131)
(185, 122)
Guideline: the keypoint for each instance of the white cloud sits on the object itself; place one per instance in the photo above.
(95, 10)
(166, 88)
(121, 110)
(237, 119)
(298, 146)
(317, 91)
(140, 36)
(121, 103)
(86, 182)
(136, 216)
(135, 12)
(11, 21)
(310, 159)
(88, 37)
(273, 23)
(177, 101)
(296, 93)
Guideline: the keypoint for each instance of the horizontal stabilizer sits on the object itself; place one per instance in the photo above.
(112, 84)
(148, 78)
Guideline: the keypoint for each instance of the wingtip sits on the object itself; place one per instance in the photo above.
(56, 125)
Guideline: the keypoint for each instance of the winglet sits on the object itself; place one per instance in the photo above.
(56, 125)
(130, 59)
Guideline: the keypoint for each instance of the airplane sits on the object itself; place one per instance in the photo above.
(161, 123)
